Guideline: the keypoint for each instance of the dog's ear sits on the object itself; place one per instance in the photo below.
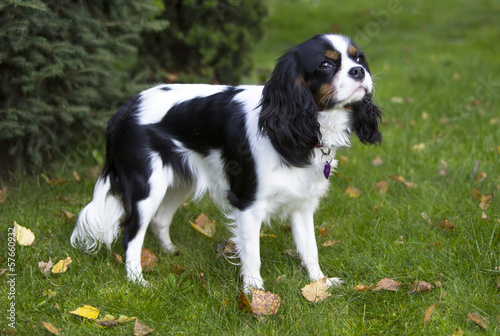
(366, 119)
(289, 115)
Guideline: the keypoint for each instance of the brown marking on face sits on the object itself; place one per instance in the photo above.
(352, 50)
(332, 54)
(325, 93)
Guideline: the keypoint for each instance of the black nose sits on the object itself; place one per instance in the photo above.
(357, 73)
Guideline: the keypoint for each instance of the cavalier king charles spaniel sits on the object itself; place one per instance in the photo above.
(263, 152)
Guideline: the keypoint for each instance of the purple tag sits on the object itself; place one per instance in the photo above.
(326, 170)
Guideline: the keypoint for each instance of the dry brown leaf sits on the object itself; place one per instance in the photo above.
(410, 185)
(3, 194)
(420, 286)
(476, 194)
(67, 215)
(51, 329)
(204, 225)
(330, 242)
(447, 225)
(45, 267)
(141, 329)
(177, 269)
(352, 192)
(24, 236)
(481, 177)
(387, 284)
(398, 178)
(61, 266)
(362, 288)
(148, 260)
(86, 311)
(57, 181)
(438, 284)
(316, 291)
(262, 303)
(3, 271)
(118, 258)
(382, 187)
(486, 200)
(76, 176)
(323, 231)
(428, 313)
(478, 319)
(377, 161)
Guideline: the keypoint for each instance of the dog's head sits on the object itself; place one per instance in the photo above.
(324, 73)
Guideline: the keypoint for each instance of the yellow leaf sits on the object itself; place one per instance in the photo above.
(316, 291)
(203, 225)
(61, 266)
(352, 192)
(397, 178)
(23, 235)
(428, 313)
(458, 332)
(51, 329)
(86, 311)
(125, 319)
(486, 200)
(362, 288)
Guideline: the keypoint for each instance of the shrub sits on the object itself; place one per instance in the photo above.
(206, 40)
(58, 64)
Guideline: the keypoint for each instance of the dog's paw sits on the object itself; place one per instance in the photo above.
(171, 249)
(330, 282)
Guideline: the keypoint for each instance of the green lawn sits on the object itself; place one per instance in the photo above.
(436, 66)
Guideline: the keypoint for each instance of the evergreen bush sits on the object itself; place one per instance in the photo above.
(59, 69)
(206, 40)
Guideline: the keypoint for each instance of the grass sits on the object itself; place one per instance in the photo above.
(436, 70)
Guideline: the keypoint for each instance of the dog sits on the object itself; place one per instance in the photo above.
(262, 152)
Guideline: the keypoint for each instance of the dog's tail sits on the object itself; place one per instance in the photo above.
(99, 222)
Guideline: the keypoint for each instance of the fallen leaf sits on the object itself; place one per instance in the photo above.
(447, 225)
(362, 288)
(49, 293)
(106, 321)
(45, 267)
(323, 231)
(438, 284)
(51, 329)
(330, 242)
(400, 240)
(481, 177)
(57, 181)
(3, 194)
(478, 319)
(397, 100)
(494, 120)
(387, 284)
(397, 178)
(141, 329)
(262, 303)
(425, 115)
(410, 185)
(484, 216)
(382, 187)
(352, 192)
(418, 147)
(377, 161)
(476, 194)
(457, 332)
(486, 200)
(61, 266)
(177, 269)
(343, 160)
(426, 218)
(86, 311)
(3, 271)
(125, 319)
(76, 176)
(421, 287)
(23, 235)
(226, 248)
(203, 225)
(148, 260)
(118, 258)
(316, 291)
(67, 215)
(428, 313)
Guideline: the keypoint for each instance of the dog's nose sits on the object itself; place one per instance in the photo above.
(357, 73)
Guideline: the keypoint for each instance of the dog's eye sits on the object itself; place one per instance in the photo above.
(359, 59)
(326, 65)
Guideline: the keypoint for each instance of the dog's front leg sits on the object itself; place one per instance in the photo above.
(247, 239)
(303, 234)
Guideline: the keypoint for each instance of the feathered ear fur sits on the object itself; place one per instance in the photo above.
(289, 115)
(366, 118)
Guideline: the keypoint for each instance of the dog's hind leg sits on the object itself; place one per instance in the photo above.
(142, 213)
(161, 222)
